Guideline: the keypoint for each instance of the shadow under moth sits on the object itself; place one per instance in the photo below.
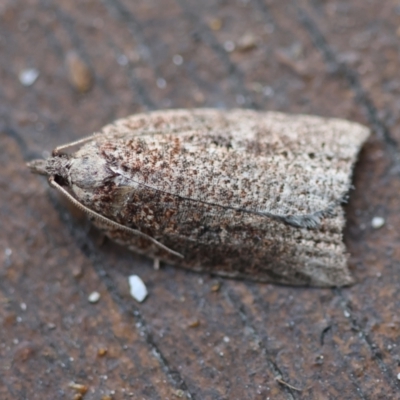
(240, 193)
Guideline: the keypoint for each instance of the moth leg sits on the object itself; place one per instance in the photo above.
(57, 150)
(110, 222)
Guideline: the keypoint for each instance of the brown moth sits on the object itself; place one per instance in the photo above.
(239, 193)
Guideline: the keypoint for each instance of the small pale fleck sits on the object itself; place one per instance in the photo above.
(23, 306)
(319, 360)
(78, 387)
(398, 376)
(102, 352)
(161, 83)
(247, 42)
(346, 313)
(137, 288)
(94, 297)
(179, 393)
(229, 46)
(215, 24)
(28, 76)
(377, 222)
(194, 324)
(156, 264)
(177, 59)
(77, 271)
(79, 73)
(226, 339)
(7, 252)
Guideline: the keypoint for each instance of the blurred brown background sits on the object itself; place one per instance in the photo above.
(66, 69)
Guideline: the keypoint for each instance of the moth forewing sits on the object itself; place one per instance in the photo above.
(237, 193)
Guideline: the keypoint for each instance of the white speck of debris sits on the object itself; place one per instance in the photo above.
(226, 339)
(229, 46)
(398, 376)
(94, 297)
(28, 76)
(247, 42)
(138, 288)
(161, 83)
(7, 252)
(156, 264)
(23, 306)
(346, 313)
(122, 59)
(177, 59)
(377, 222)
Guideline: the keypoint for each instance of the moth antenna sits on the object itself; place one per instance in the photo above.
(110, 222)
(57, 150)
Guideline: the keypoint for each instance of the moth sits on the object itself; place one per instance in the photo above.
(239, 193)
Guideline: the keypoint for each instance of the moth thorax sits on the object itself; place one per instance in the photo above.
(87, 171)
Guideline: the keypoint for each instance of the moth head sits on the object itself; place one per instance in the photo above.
(56, 167)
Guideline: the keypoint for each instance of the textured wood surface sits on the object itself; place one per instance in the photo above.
(99, 60)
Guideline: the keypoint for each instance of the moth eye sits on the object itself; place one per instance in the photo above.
(60, 180)
(311, 155)
(284, 153)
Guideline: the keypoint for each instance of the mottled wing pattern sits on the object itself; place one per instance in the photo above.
(271, 163)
